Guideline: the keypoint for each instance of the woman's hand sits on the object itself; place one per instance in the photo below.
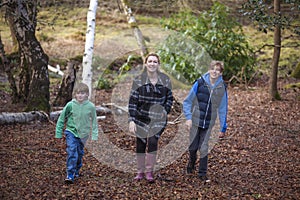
(132, 127)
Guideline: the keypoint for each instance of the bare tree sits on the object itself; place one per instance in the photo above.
(33, 78)
(136, 30)
(276, 54)
(6, 67)
(67, 85)
(260, 13)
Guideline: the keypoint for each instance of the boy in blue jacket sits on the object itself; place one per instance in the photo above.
(206, 100)
(79, 119)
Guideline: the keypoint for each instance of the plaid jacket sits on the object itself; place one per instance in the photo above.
(149, 105)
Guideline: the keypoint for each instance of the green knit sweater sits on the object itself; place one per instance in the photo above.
(80, 119)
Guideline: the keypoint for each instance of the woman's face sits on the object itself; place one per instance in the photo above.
(152, 64)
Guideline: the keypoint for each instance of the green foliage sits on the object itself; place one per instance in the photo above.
(116, 71)
(292, 86)
(183, 58)
(216, 32)
(103, 83)
(277, 96)
(5, 87)
(265, 19)
(296, 72)
(131, 61)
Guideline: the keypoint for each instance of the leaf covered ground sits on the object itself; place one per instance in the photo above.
(258, 159)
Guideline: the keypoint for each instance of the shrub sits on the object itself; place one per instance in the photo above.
(214, 31)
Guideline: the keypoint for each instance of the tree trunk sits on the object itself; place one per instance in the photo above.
(136, 31)
(34, 78)
(24, 117)
(67, 84)
(102, 111)
(87, 73)
(276, 55)
(13, 37)
(10, 76)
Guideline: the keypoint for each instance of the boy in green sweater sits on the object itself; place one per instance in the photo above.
(79, 116)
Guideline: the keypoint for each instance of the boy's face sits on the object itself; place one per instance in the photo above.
(215, 72)
(81, 96)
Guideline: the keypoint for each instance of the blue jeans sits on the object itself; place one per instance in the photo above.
(75, 151)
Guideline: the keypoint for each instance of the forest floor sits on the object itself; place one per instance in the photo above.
(258, 159)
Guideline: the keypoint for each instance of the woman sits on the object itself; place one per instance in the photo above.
(149, 103)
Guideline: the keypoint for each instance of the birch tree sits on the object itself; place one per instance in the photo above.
(136, 30)
(87, 72)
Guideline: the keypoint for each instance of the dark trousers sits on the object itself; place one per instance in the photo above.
(199, 141)
(141, 144)
(148, 138)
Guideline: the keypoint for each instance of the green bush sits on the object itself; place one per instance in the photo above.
(296, 72)
(116, 70)
(214, 31)
(103, 83)
(183, 58)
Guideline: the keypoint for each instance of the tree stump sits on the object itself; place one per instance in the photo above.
(66, 88)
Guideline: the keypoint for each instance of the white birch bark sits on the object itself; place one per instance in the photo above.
(87, 72)
(136, 31)
(26, 117)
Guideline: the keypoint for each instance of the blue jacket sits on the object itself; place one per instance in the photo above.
(205, 101)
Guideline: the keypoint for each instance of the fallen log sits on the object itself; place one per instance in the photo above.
(119, 109)
(26, 117)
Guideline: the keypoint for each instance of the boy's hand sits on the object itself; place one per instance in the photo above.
(188, 124)
(221, 135)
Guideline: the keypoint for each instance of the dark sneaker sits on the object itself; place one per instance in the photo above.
(189, 170)
(204, 178)
(78, 175)
(190, 167)
(69, 180)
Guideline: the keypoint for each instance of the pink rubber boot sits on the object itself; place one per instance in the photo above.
(150, 162)
(140, 167)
